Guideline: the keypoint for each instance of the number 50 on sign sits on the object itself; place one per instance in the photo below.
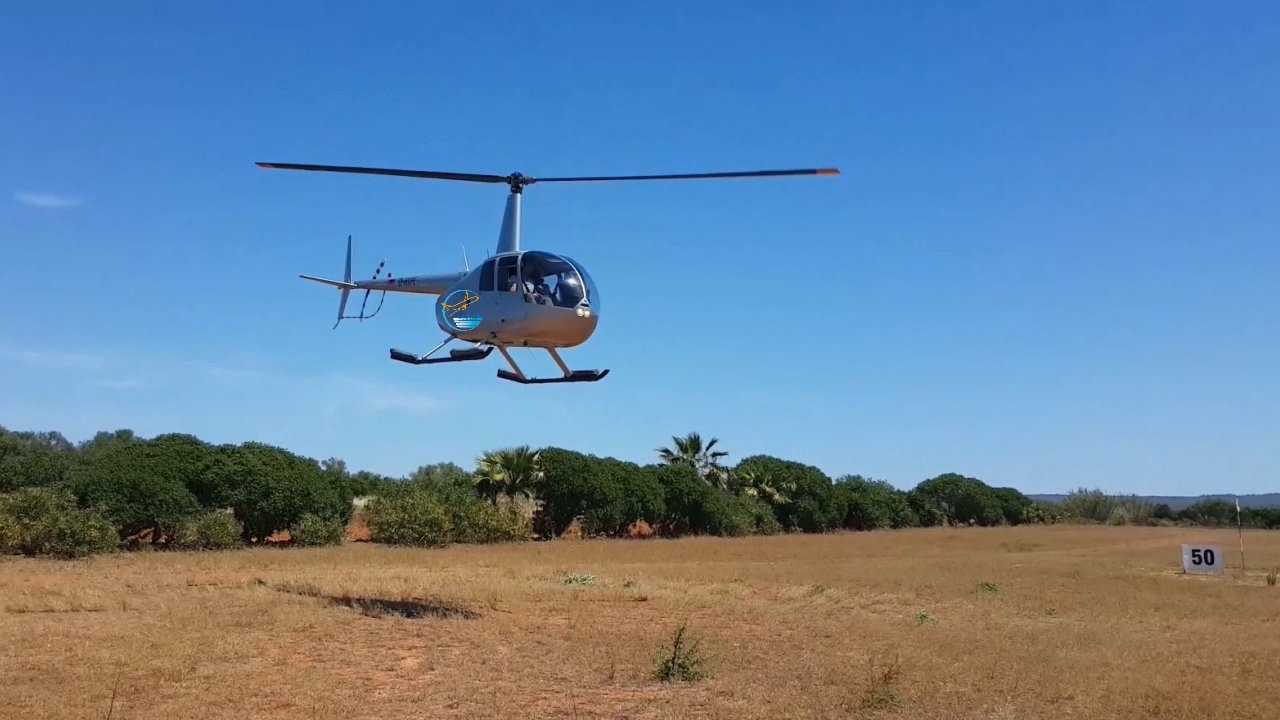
(1202, 559)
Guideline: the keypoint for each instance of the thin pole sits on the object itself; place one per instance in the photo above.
(1240, 528)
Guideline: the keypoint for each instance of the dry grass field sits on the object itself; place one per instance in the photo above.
(1037, 622)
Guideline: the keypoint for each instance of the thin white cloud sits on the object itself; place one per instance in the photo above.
(52, 360)
(120, 384)
(368, 396)
(332, 395)
(229, 375)
(47, 200)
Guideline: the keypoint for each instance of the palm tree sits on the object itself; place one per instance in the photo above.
(509, 472)
(764, 485)
(690, 451)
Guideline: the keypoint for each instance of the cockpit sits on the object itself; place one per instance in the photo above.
(543, 278)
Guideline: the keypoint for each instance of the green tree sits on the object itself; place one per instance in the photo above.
(1014, 506)
(1213, 513)
(606, 493)
(812, 504)
(32, 459)
(139, 486)
(270, 488)
(364, 483)
(959, 499)
(444, 478)
(874, 504)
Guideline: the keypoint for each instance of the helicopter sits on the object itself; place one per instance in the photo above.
(515, 298)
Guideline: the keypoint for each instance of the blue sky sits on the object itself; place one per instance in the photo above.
(1051, 259)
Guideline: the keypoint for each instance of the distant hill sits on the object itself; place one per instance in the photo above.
(1178, 502)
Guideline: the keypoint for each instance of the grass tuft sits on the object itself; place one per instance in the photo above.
(681, 660)
(881, 692)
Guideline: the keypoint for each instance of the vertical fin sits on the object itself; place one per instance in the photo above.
(346, 277)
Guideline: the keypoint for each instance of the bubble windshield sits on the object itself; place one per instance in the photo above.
(593, 295)
(555, 280)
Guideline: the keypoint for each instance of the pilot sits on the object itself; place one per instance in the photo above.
(513, 283)
(532, 274)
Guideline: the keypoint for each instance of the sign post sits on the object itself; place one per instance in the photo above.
(1202, 559)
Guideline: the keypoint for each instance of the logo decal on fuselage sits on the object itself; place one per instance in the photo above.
(456, 302)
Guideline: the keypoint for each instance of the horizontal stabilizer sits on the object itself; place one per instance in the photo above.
(335, 283)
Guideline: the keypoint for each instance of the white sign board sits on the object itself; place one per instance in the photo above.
(1202, 559)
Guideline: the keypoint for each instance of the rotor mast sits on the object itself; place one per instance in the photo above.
(509, 235)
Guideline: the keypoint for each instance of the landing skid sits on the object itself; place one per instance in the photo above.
(569, 375)
(464, 355)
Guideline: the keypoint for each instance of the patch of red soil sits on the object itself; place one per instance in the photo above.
(358, 529)
(640, 530)
(573, 532)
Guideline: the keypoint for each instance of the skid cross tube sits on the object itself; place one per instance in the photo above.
(456, 355)
(569, 375)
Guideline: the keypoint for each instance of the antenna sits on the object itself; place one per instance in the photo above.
(465, 263)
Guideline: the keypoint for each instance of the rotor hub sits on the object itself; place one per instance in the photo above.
(518, 181)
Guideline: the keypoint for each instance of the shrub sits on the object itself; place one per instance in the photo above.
(607, 494)
(313, 530)
(218, 530)
(728, 515)
(445, 478)
(1130, 511)
(763, 521)
(1042, 513)
(32, 459)
(873, 504)
(690, 505)
(46, 521)
(1012, 504)
(1213, 513)
(959, 500)
(408, 517)
(477, 521)
(681, 661)
(10, 535)
(810, 503)
(138, 485)
(270, 488)
(1087, 505)
(684, 498)
(571, 485)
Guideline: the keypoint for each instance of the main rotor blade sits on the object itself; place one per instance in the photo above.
(695, 176)
(430, 174)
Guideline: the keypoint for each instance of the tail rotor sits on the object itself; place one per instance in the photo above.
(346, 285)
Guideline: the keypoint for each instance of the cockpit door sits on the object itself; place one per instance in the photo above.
(508, 278)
